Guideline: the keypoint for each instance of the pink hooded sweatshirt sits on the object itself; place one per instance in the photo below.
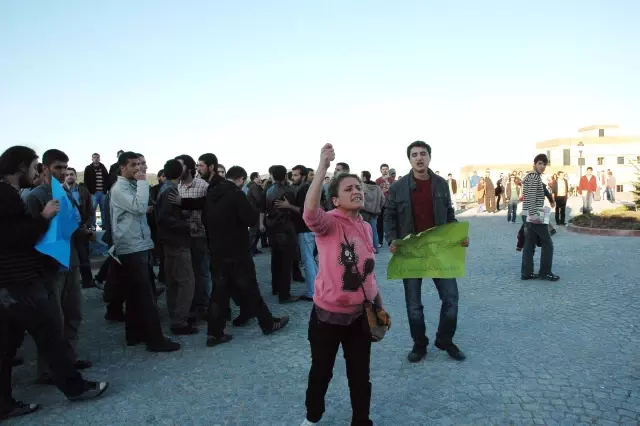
(346, 260)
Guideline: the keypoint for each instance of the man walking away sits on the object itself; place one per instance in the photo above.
(25, 302)
(560, 190)
(228, 215)
(535, 229)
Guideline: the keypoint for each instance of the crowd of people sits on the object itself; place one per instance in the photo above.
(202, 225)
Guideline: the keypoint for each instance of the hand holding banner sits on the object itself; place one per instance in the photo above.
(434, 253)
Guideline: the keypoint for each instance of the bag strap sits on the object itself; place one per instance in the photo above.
(356, 267)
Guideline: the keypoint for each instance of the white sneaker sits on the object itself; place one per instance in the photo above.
(308, 423)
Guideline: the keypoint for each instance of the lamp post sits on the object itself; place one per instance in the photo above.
(580, 146)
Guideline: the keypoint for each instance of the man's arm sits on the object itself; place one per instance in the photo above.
(34, 205)
(133, 203)
(247, 214)
(20, 228)
(167, 220)
(193, 203)
(531, 191)
(390, 217)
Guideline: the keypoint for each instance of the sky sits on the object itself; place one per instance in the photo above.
(269, 82)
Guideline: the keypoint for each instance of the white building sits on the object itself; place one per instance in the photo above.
(602, 147)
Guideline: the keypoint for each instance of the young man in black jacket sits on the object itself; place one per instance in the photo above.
(174, 235)
(96, 179)
(228, 217)
(24, 301)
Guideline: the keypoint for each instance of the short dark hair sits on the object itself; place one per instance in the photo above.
(189, 162)
(289, 175)
(334, 185)
(38, 167)
(172, 169)
(119, 153)
(345, 167)
(124, 158)
(366, 175)
(236, 172)
(278, 172)
(310, 170)
(73, 170)
(223, 167)
(418, 144)
(139, 155)
(384, 165)
(160, 172)
(95, 153)
(209, 159)
(15, 159)
(303, 170)
(254, 175)
(590, 168)
(53, 155)
(541, 157)
(450, 175)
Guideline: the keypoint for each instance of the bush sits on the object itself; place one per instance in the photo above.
(618, 218)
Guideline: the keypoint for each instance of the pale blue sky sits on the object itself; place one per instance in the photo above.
(267, 82)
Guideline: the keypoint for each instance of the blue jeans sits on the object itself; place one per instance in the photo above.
(448, 291)
(307, 243)
(373, 221)
(512, 207)
(98, 199)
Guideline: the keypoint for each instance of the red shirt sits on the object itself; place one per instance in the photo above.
(422, 205)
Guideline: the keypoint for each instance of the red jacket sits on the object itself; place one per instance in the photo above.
(588, 185)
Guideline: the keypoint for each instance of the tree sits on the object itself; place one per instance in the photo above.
(636, 184)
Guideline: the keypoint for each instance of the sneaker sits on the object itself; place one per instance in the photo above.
(418, 353)
(91, 390)
(166, 345)
(278, 324)
(215, 341)
(15, 408)
(308, 423)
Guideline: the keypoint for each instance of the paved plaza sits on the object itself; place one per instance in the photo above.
(544, 353)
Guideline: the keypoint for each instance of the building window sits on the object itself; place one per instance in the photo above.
(601, 133)
(549, 157)
(620, 160)
(566, 157)
(619, 188)
(600, 161)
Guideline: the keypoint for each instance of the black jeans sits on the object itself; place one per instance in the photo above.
(236, 277)
(85, 263)
(512, 207)
(380, 226)
(199, 264)
(142, 319)
(103, 273)
(541, 231)
(448, 291)
(324, 340)
(561, 209)
(283, 251)
(27, 307)
(254, 237)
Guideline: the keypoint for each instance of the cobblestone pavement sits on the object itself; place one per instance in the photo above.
(538, 353)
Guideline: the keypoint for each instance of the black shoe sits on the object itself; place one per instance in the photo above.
(215, 341)
(185, 330)
(241, 320)
(17, 361)
(257, 252)
(166, 345)
(553, 232)
(549, 277)
(91, 390)
(82, 364)
(278, 324)
(133, 340)
(14, 408)
(92, 284)
(274, 292)
(306, 298)
(114, 316)
(298, 278)
(453, 351)
(418, 353)
(291, 299)
(45, 380)
(531, 276)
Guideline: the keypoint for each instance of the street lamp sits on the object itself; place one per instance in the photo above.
(580, 146)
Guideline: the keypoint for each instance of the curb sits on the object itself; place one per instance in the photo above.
(603, 232)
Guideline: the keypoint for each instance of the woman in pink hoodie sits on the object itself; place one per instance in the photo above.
(346, 273)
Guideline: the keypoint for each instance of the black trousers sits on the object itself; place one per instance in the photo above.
(236, 277)
(103, 273)
(380, 226)
(27, 307)
(85, 263)
(116, 282)
(142, 319)
(283, 251)
(561, 209)
(356, 344)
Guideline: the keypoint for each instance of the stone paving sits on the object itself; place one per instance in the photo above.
(538, 353)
